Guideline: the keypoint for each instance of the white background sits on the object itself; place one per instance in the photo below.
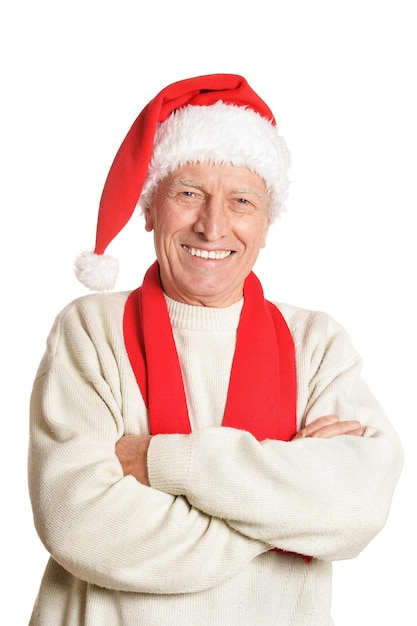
(341, 80)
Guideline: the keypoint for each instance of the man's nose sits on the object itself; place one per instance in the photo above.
(212, 221)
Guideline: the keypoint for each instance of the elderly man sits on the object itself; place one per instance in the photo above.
(198, 454)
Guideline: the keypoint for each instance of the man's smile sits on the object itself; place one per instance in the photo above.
(208, 254)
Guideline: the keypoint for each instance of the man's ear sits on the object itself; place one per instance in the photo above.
(148, 220)
(265, 234)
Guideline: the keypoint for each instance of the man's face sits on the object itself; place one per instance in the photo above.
(209, 223)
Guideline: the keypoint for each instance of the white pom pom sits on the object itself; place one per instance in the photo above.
(98, 272)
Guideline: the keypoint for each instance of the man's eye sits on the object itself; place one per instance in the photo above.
(187, 193)
(242, 205)
(188, 197)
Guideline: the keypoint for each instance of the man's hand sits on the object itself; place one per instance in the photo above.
(330, 426)
(132, 452)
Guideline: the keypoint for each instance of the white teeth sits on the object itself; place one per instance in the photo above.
(206, 254)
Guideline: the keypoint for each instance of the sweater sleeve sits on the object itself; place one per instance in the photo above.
(102, 527)
(321, 497)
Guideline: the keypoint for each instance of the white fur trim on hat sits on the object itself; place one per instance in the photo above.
(221, 133)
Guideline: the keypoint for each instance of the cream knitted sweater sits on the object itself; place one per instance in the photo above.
(194, 549)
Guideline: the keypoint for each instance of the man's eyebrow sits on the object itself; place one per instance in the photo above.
(187, 183)
(249, 190)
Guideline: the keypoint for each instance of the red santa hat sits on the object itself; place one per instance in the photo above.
(216, 118)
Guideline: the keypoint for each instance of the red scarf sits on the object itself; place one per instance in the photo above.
(262, 389)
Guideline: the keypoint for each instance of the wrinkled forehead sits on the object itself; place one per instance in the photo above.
(206, 176)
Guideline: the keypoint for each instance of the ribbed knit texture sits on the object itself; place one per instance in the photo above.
(205, 338)
(194, 550)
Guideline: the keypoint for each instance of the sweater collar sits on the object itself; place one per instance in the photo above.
(201, 318)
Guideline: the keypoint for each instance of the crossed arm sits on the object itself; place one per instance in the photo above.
(219, 498)
(132, 450)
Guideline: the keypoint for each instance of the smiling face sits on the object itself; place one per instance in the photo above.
(210, 222)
